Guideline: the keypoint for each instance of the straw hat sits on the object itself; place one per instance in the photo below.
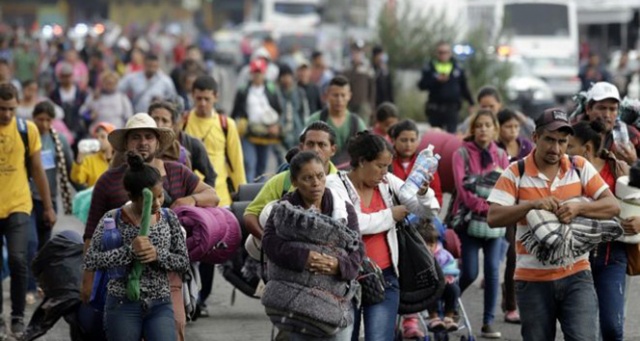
(118, 137)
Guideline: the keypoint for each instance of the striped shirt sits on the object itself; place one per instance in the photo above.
(109, 192)
(512, 189)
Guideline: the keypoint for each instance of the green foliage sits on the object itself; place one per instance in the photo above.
(411, 104)
(410, 37)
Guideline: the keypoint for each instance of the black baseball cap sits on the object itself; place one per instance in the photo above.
(554, 119)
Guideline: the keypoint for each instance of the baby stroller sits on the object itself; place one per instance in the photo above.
(451, 243)
(462, 319)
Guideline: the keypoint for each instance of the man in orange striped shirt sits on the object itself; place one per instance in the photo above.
(546, 293)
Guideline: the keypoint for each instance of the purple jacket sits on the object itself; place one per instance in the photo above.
(295, 258)
(470, 200)
(526, 147)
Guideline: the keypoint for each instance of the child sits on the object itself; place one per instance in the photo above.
(163, 251)
(89, 167)
(405, 140)
(386, 116)
(451, 292)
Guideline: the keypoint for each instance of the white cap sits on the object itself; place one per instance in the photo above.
(603, 90)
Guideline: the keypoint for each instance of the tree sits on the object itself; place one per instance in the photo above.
(410, 37)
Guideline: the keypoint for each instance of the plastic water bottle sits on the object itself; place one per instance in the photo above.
(621, 134)
(426, 163)
(111, 239)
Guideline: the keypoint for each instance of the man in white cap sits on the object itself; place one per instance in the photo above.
(603, 102)
(141, 135)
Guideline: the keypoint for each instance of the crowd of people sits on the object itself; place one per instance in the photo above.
(124, 129)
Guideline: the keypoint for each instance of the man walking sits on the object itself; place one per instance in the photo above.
(19, 160)
(546, 292)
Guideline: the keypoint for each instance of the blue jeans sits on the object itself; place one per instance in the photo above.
(256, 157)
(609, 268)
(492, 249)
(15, 229)
(380, 319)
(126, 320)
(571, 300)
(39, 234)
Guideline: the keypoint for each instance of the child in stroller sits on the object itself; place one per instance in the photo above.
(451, 292)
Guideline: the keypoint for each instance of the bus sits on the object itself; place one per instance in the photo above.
(291, 15)
(545, 34)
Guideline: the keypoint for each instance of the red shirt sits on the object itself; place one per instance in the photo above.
(376, 244)
(609, 178)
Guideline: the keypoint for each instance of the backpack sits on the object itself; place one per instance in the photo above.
(24, 136)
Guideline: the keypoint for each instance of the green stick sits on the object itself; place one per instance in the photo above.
(133, 286)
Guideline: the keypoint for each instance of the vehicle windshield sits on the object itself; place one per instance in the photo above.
(295, 8)
(536, 19)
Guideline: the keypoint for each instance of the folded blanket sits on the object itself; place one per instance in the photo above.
(213, 233)
(552, 242)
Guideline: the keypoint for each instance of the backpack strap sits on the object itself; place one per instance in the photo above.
(225, 129)
(24, 135)
(324, 115)
(574, 167)
(164, 213)
(286, 186)
(353, 120)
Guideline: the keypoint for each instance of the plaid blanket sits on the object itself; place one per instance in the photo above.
(552, 242)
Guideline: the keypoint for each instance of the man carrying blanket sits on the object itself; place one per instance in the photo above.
(546, 291)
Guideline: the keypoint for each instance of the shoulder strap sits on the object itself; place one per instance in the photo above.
(324, 115)
(118, 214)
(24, 135)
(185, 121)
(165, 214)
(287, 184)
(354, 124)
(225, 129)
(465, 157)
(520, 169)
(574, 166)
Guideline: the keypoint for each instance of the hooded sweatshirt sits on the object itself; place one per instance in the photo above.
(469, 199)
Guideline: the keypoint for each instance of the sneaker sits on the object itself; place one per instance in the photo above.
(17, 326)
(436, 325)
(204, 312)
(30, 299)
(410, 328)
(450, 325)
(489, 333)
(512, 317)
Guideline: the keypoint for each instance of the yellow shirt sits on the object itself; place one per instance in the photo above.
(210, 132)
(88, 172)
(15, 195)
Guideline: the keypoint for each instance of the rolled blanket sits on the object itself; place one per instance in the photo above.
(308, 303)
(308, 226)
(552, 242)
(213, 233)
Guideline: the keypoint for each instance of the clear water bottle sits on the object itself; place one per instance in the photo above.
(111, 239)
(426, 164)
(621, 134)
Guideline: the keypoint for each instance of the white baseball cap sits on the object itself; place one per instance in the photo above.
(603, 90)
